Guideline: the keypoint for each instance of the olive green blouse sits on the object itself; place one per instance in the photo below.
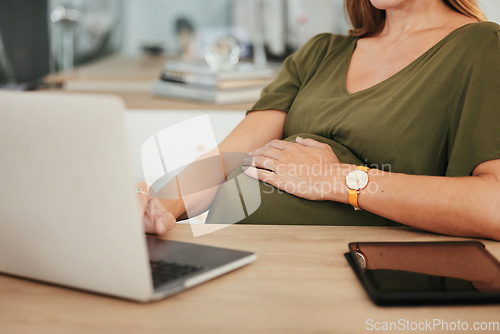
(439, 116)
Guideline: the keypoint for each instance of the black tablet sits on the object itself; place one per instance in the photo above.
(426, 273)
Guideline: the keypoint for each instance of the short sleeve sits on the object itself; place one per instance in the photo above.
(474, 135)
(280, 94)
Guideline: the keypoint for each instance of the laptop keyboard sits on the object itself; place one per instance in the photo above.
(164, 272)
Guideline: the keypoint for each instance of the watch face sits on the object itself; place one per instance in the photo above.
(357, 179)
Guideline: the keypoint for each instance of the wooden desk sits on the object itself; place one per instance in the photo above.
(144, 100)
(130, 79)
(300, 283)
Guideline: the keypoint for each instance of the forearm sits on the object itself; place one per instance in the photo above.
(465, 206)
(194, 189)
(462, 206)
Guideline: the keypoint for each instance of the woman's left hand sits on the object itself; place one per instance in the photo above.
(306, 168)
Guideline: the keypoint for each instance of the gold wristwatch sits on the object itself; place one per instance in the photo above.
(356, 181)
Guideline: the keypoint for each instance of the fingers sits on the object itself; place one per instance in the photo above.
(267, 151)
(163, 219)
(157, 220)
(261, 162)
(329, 154)
(262, 175)
(309, 142)
(275, 149)
(279, 144)
(148, 223)
(271, 155)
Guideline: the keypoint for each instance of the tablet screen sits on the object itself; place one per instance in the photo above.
(426, 272)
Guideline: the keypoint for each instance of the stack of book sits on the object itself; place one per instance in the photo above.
(196, 81)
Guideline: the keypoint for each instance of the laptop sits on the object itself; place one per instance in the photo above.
(68, 211)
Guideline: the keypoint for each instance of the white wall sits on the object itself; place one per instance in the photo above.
(492, 9)
(153, 21)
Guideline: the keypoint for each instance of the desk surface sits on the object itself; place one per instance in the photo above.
(300, 283)
(129, 78)
(145, 101)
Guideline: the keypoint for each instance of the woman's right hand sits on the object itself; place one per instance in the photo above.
(156, 218)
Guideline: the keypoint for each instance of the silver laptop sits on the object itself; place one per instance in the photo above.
(68, 211)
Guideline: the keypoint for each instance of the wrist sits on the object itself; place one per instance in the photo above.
(176, 207)
(356, 181)
(339, 191)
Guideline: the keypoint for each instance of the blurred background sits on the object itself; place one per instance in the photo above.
(154, 55)
(42, 36)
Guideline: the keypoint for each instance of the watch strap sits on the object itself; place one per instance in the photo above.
(363, 168)
(353, 199)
